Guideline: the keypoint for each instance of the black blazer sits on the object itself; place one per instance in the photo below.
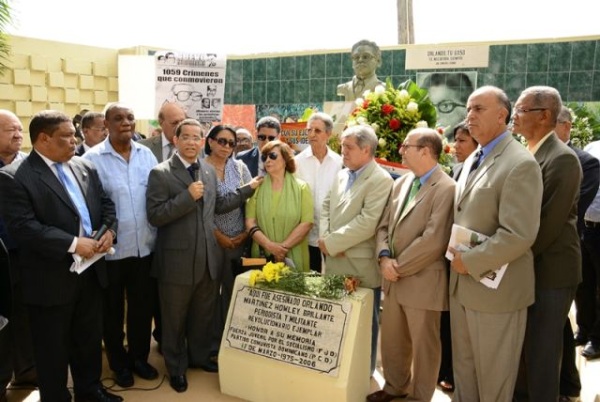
(589, 184)
(250, 158)
(43, 221)
(80, 150)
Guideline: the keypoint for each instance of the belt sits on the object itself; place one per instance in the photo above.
(592, 224)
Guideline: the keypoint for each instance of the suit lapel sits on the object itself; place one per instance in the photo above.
(50, 180)
(358, 183)
(179, 171)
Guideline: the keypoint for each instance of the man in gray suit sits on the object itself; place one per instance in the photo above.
(556, 251)
(181, 202)
(350, 214)
(498, 194)
(169, 117)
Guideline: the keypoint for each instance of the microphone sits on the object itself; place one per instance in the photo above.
(196, 169)
(103, 229)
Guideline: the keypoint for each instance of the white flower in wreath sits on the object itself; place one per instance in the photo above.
(404, 95)
(359, 101)
(379, 89)
(421, 124)
(382, 142)
(351, 123)
(362, 121)
(412, 107)
(375, 127)
(366, 93)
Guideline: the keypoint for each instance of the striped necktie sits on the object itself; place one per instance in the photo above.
(76, 196)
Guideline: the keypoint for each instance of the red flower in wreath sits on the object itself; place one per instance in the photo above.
(395, 124)
(387, 108)
(365, 104)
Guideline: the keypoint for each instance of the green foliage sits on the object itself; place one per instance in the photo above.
(586, 123)
(5, 19)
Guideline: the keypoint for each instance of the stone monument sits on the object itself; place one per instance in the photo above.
(366, 57)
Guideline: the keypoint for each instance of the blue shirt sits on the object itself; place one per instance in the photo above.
(125, 183)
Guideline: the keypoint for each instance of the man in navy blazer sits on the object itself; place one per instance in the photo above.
(267, 129)
(65, 308)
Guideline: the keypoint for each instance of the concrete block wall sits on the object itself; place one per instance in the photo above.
(53, 75)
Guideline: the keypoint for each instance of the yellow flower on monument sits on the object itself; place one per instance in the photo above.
(421, 124)
(382, 142)
(379, 89)
(412, 107)
(375, 127)
(255, 277)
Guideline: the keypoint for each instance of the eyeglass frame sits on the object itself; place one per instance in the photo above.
(194, 95)
(225, 142)
(519, 110)
(440, 105)
(271, 155)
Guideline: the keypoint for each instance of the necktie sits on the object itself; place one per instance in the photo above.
(77, 197)
(351, 178)
(414, 189)
(192, 169)
(476, 160)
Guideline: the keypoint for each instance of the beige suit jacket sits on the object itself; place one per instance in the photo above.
(501, 199)
(420, 237)
(349, 220)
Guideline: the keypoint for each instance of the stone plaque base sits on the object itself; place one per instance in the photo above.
(283, 347)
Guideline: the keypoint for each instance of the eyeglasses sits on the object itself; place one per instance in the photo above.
(364, 56)
(447, 106)
(194, 138)
(519, 110)
(223, 142)
(244, 140)
(406, 146)
(182, 96)
(262, 137)
(271, 155)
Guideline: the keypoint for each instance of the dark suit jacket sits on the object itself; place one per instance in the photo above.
(556, 251)
(80, 150)
(43, 221)
(155, 145)
(589, 184)
(250, 158)
(182, 250)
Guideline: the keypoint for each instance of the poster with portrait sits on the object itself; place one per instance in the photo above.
(449, 92)
(196, 81)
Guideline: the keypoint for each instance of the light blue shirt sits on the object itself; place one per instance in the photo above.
(126, 183)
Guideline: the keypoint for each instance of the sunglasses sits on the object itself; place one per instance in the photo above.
(223, 142)
(262, 137)
(271, 155)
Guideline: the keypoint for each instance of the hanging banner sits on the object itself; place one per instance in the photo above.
(196, 81)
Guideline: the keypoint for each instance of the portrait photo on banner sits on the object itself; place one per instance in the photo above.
(449, 92)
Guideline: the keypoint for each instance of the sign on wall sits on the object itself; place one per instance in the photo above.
(196, 81)
(447, 56)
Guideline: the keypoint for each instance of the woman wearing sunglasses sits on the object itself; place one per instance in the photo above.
(280, 213)
(230, 231)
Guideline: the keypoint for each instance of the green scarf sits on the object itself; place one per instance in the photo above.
(278, 221)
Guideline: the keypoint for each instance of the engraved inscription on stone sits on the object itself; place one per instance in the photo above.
(298, 330)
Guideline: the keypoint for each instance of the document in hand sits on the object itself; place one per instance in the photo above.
(463, 239)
